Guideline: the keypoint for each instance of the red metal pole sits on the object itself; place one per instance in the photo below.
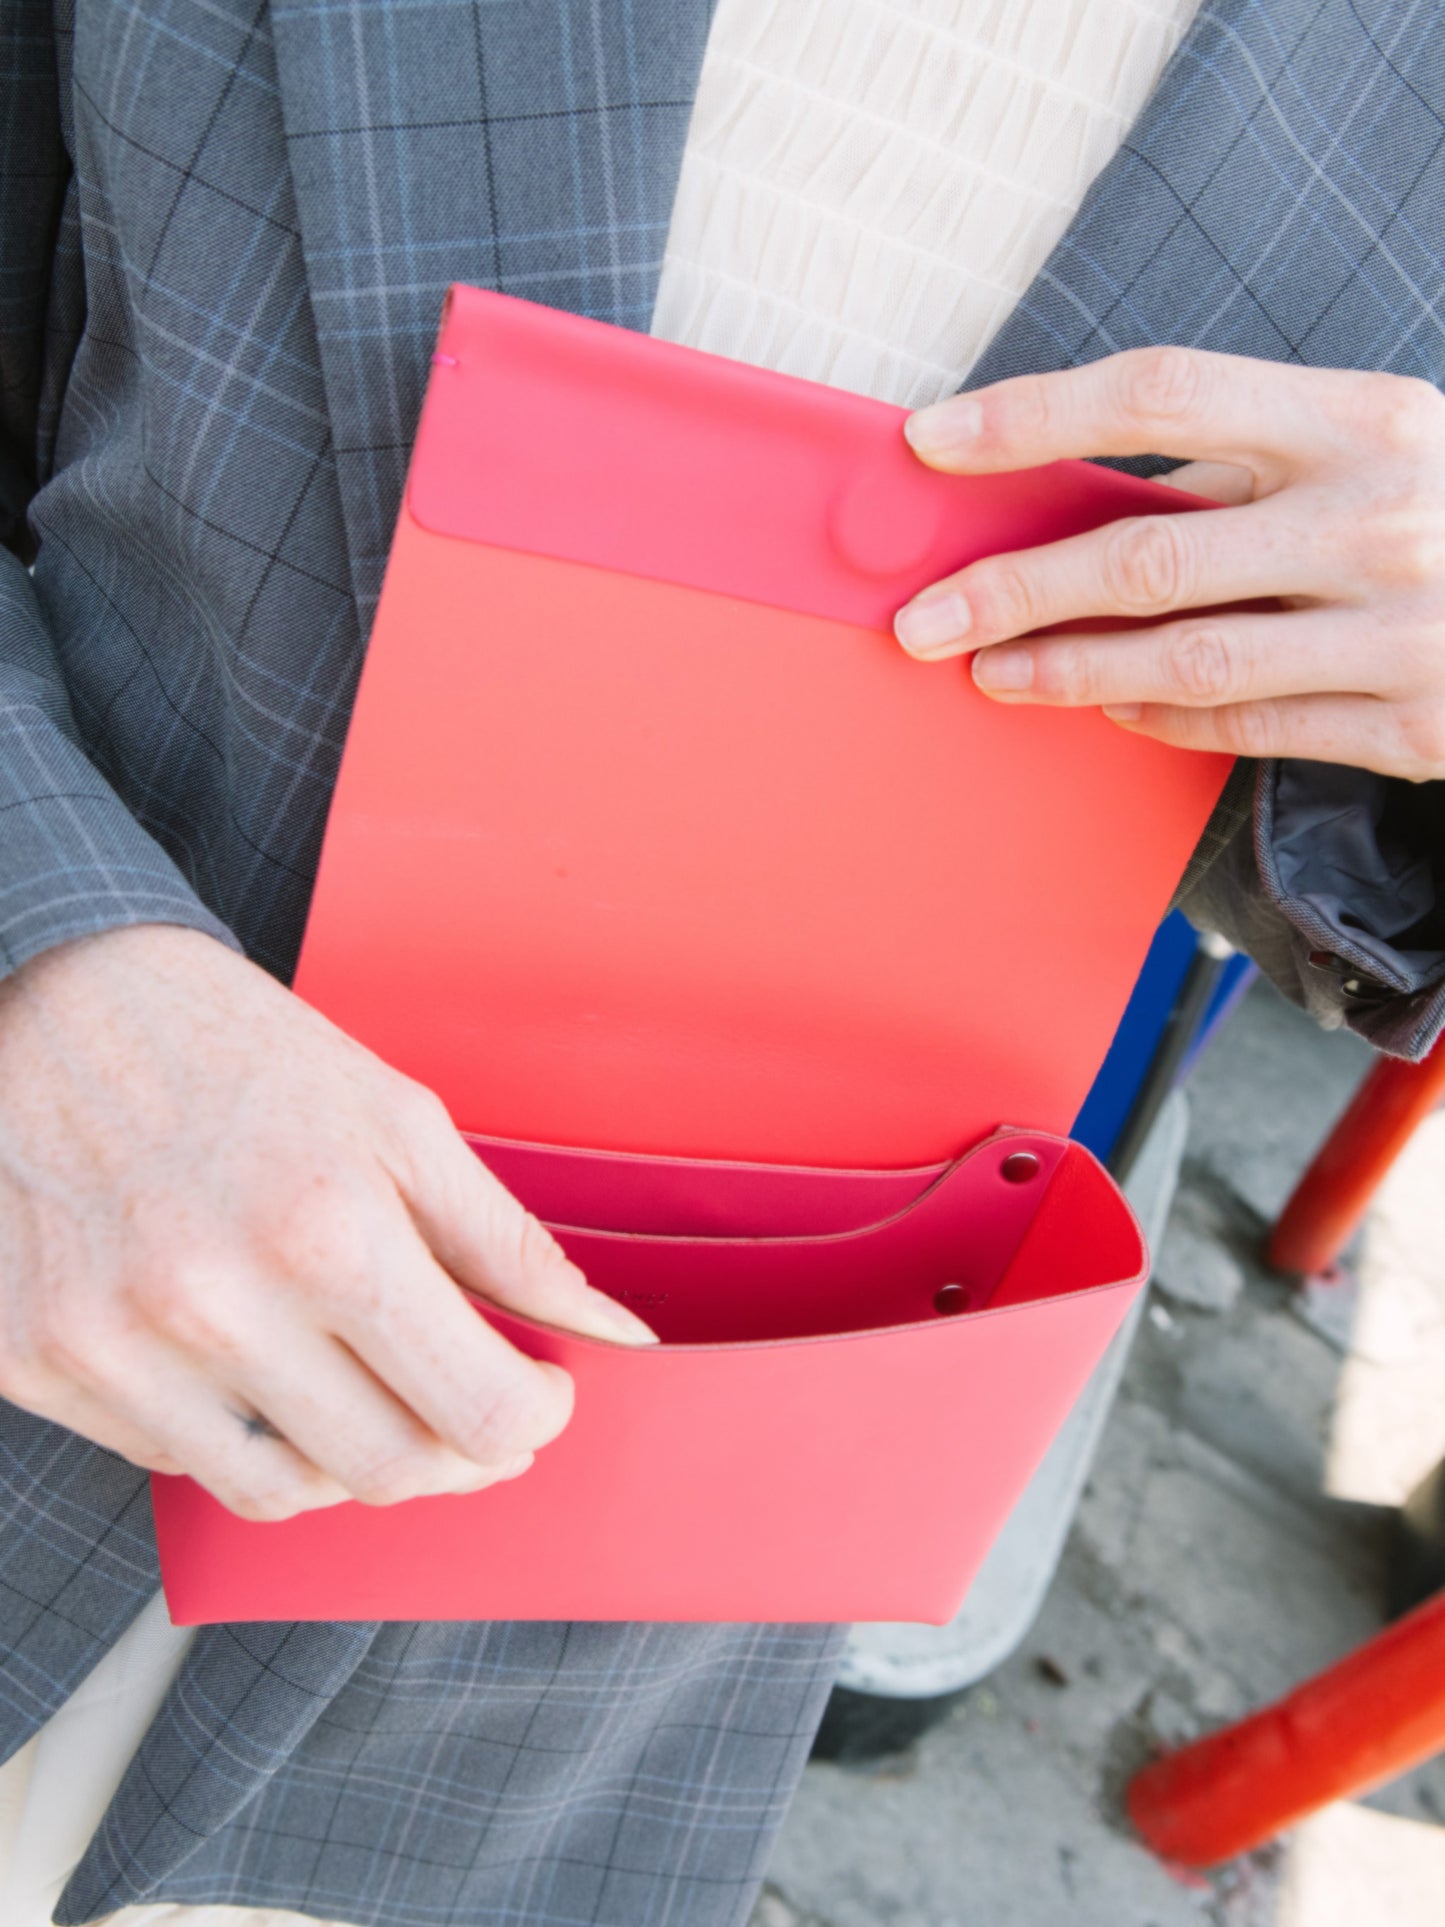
(1372, 1716)
(1334, 1194)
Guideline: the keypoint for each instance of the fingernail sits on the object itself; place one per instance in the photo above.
(622, 1324)
(1004, 669)
(483, 1477)
(947, 428)
(1123, 712)
(931, 623)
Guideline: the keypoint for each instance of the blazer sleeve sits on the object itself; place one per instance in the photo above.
(1333, 880)
(73, 860)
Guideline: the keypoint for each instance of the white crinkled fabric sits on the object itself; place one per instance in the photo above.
(870, 185)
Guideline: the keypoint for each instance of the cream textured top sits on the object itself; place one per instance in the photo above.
(868, 187)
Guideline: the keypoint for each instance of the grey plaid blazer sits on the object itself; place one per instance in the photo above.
(225, 230)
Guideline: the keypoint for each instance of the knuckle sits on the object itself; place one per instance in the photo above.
(421, 1113)
(1162, 384)
(481, 1477)
(268, 1503)
(1406, 542)
(62, 1342)
(405, 1475)
(1422, 731)
(518, 1419)
(1250, 730)
(1002, 600)
(1403, 412)
(322, 1238)
(516, 1239)
(537, 1250)
(1146, 566)
(24, 1380)
(1199, 666)
(184, 1300)
(1022, 412)
(1071, 674)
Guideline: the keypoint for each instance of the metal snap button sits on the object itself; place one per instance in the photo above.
(1019, 1167)
(950, 1299)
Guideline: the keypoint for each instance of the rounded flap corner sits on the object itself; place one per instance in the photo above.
(1083, 1237)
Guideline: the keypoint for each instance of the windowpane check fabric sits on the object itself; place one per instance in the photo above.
(227, 228)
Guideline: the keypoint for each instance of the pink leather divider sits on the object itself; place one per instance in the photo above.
(964, 1230)
(695, 1197)
(857, 1475)
(607, 446)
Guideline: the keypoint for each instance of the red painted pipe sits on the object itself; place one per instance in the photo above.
(1333, 1195)
(1372, 1716)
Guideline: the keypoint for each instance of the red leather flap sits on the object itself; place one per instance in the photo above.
(648, 840)
(548, 432)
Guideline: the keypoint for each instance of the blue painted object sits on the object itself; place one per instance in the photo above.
(1107, 1107)
(1236, 977)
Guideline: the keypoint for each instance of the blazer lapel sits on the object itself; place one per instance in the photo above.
(1281, 195)
(512, 144)
(535, 148)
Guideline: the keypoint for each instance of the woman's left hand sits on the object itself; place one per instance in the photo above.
(1335, 486)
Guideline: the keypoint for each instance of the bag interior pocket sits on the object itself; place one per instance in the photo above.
(719, 1253)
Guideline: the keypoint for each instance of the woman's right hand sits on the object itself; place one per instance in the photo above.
(231, 1241)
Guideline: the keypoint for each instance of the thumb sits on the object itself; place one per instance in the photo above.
(493, 1246)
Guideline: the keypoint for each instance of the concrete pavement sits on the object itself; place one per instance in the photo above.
(1232, 1541)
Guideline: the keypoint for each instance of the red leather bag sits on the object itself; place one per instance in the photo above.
(766, 965)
